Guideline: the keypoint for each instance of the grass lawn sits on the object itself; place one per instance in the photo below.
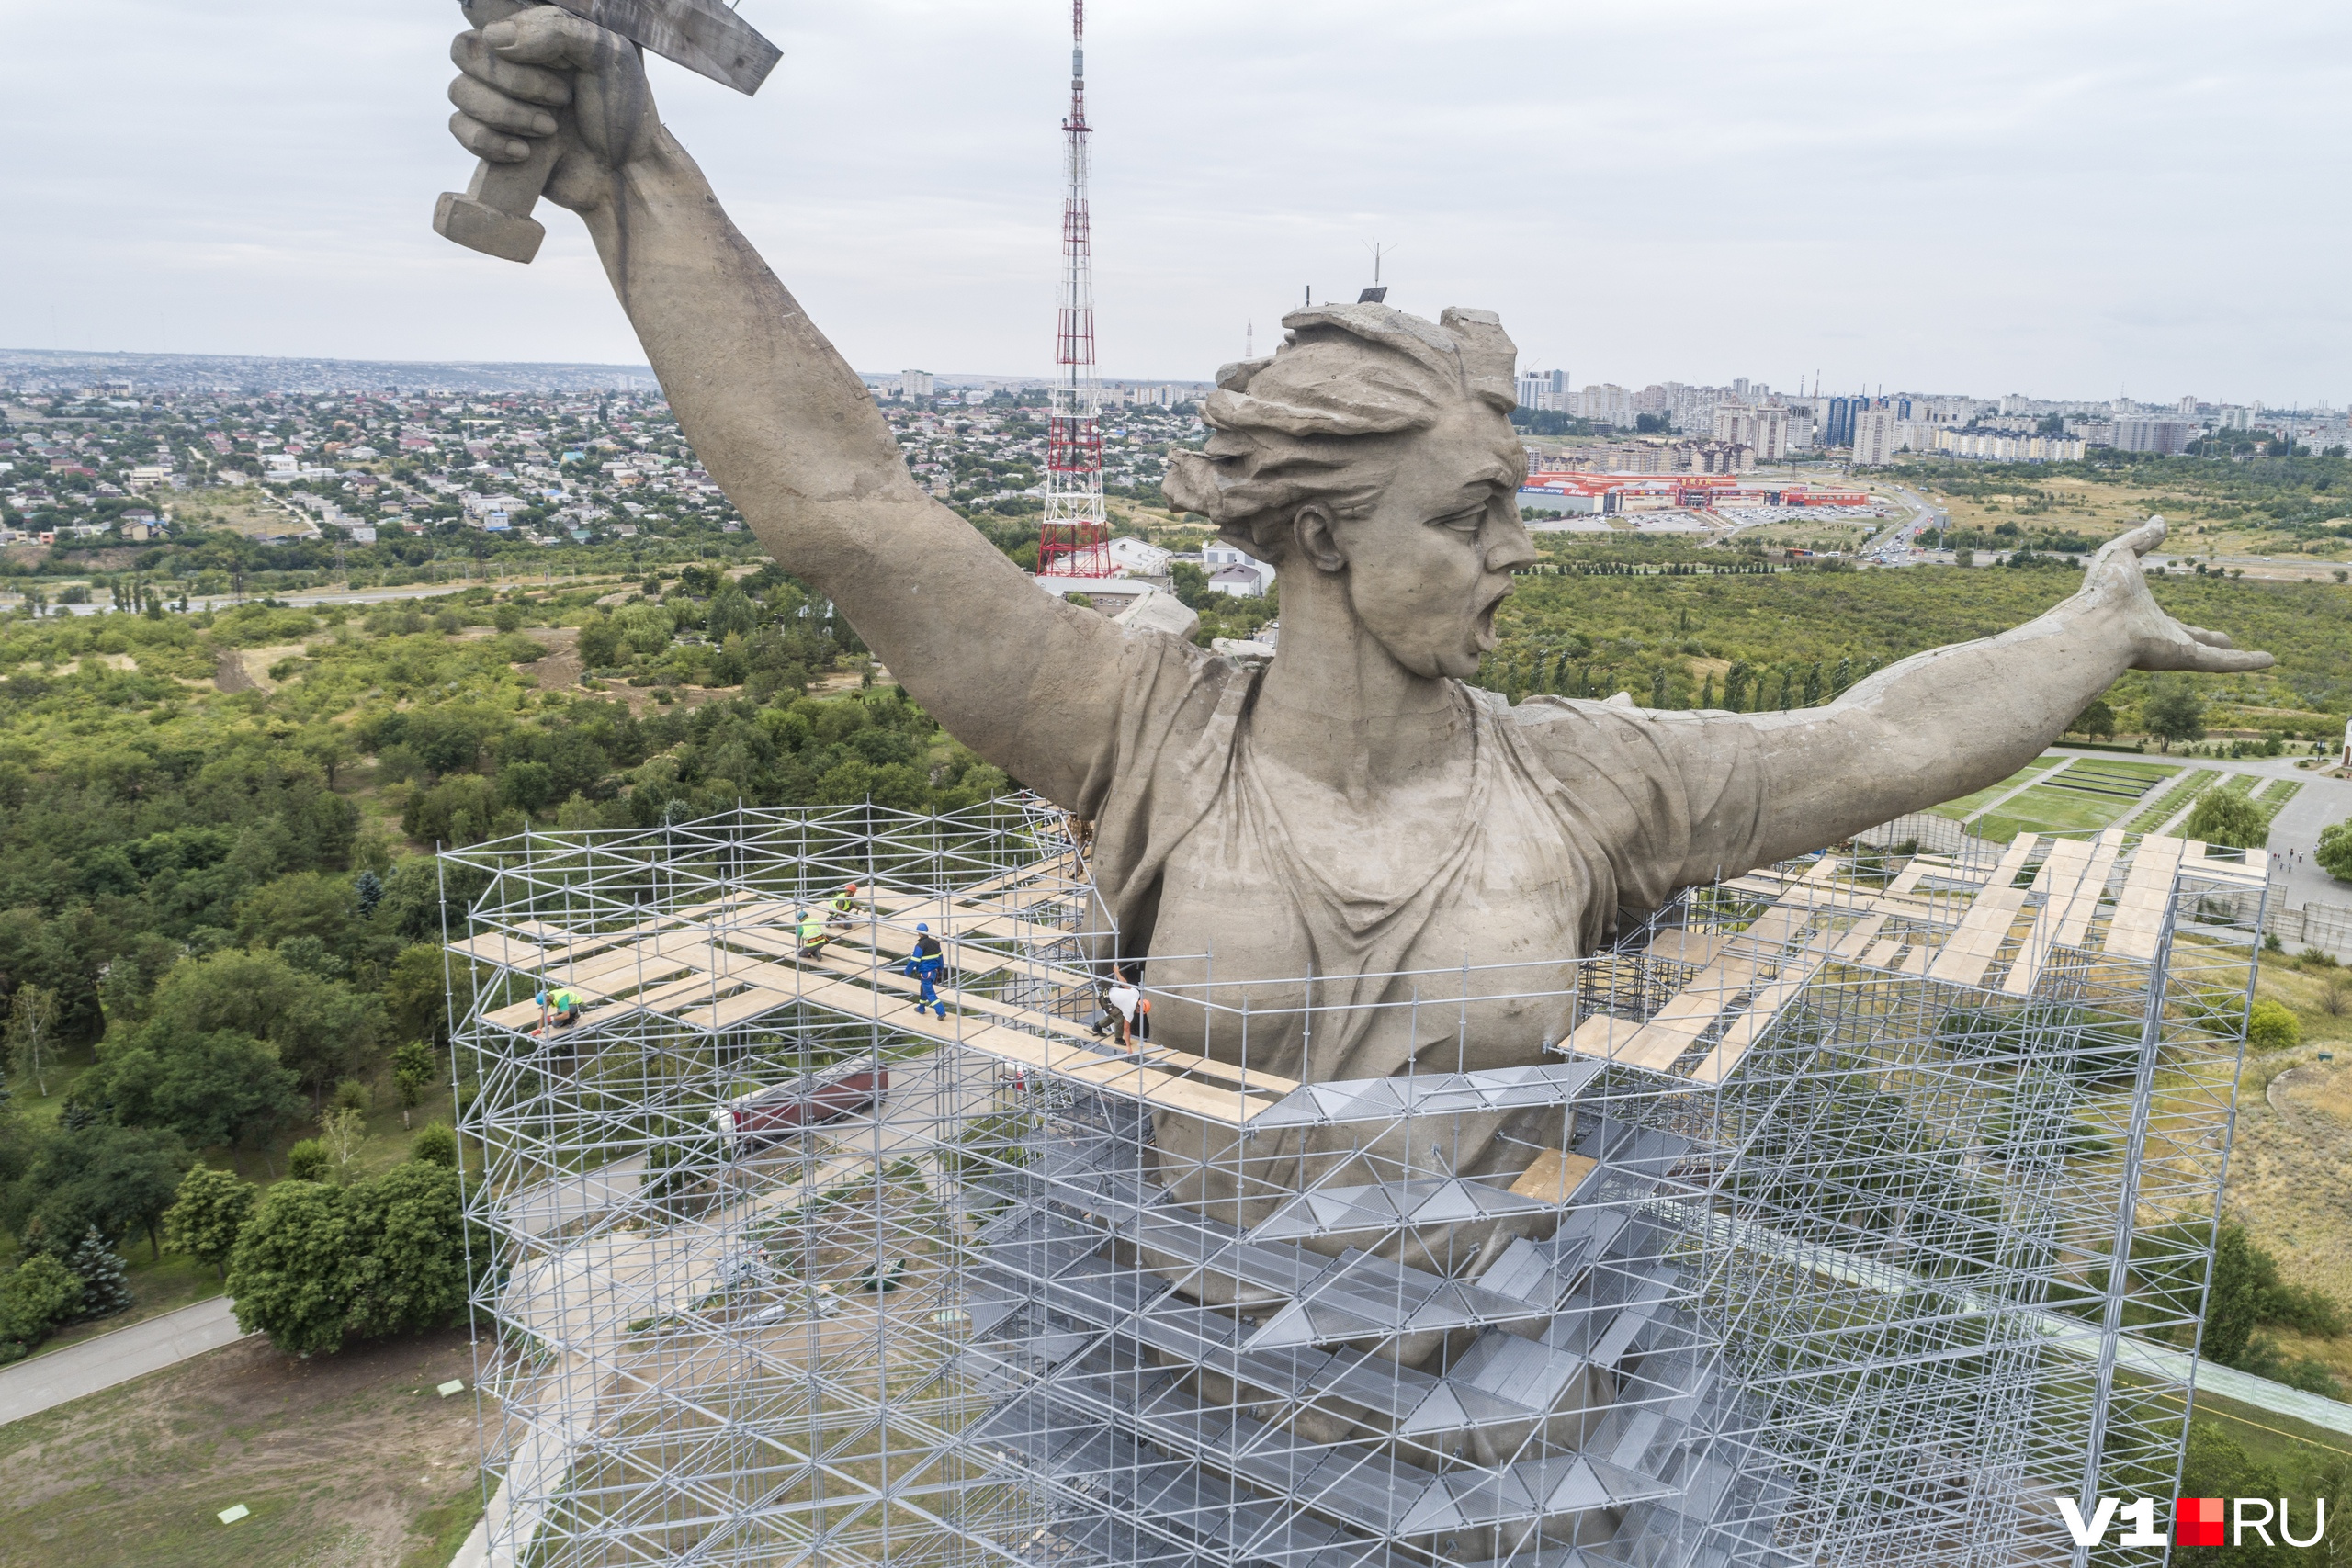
(343, 1459)
(2047, 810)
(1967, 805)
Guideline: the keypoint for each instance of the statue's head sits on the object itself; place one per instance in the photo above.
(1374, 449)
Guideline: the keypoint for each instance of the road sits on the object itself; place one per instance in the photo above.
(46, 1382)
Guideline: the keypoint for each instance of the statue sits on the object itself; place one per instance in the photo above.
(1354, 812)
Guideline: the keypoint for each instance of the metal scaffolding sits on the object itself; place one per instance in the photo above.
(1858, 1210)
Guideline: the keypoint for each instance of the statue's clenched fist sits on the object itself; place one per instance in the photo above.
(543, 73)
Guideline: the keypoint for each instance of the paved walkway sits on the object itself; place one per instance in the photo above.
(31, 1387)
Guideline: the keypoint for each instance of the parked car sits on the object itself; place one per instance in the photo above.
(766, 1114)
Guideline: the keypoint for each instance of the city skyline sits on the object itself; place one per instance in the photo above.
(2026, 207)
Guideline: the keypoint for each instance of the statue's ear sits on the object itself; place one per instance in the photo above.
(1314, 533)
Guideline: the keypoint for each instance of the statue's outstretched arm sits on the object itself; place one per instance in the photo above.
(1951, 720)
(780, 421)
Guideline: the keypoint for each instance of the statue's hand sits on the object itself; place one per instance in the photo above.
(2114, 586)
(544, 71)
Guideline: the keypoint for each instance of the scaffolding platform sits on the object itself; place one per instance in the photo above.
(1823, 1233)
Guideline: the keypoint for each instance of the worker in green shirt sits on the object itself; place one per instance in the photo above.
(811, 927)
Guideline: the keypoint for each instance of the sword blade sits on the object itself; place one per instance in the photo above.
(701, 35)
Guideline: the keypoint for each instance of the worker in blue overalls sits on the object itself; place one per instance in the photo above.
(924, 965)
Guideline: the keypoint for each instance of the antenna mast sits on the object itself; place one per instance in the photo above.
(1076, 537)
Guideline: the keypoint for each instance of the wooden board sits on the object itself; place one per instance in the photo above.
(1553, 1176)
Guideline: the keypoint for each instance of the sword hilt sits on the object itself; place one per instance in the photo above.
(492, 215)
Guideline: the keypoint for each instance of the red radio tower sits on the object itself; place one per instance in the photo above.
(1076, 540)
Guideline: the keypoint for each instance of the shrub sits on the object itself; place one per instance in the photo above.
(308, 1160)
(208, 1214)
(35, 1297)
(436, 1144)
(2272, 1028)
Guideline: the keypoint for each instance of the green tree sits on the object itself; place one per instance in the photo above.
(2234, 1299)
(600, 642)
(216, 1090)
(291, 1274)
(323, 1028)
(105, 1284)
(2216, 1466)
(2334, 850)
(408, 1226)
(116, 1178)
(414, 1070)
(436, 1144)
(35, 1297)
(207, 1213)
(1190, 582)
(417, 996)
(2097, 721)
(2225, 817)
(2174, 711)
(310, 1160)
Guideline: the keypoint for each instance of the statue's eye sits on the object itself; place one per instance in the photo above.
(1468, 522)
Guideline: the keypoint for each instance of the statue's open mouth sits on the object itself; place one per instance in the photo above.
(1483, 623)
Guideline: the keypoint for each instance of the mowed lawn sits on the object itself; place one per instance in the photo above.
(344, 1458)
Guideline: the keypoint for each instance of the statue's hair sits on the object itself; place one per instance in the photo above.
(1305, 423)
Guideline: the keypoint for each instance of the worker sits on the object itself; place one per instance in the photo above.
(1140, 1025)
(811, 927)
(559, 1009)
(844, 905)
(924, 965)
(1123, 997)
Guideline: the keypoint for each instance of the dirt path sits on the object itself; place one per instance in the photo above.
(561, 666)
(247, 668)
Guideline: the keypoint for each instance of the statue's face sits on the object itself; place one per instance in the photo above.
(1427, 568)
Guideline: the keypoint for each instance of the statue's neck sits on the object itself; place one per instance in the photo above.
(1337, 708)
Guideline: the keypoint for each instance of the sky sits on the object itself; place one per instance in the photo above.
(2078, 201)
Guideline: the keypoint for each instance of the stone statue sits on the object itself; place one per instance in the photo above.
(1354, 812)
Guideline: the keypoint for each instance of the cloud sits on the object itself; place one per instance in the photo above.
(1992, 197)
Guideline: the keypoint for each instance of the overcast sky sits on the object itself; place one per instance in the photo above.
(2066, 200)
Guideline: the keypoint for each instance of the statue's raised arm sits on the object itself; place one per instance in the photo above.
(1356, 808)
(780, 421)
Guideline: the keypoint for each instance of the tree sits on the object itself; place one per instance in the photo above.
(308, 1160)
(2225, 817)
(341, 1133)
(414, 1070)
(2097, 721)
(290, 1276)
(35, 1297)
(436, 1144)
(2174, 711)
(106, 1289)
(2334, 850)
(209, 1213)
(221, 1088)
(116, 1178)
(2234, 1299)
(31, 1012)
(407, 1225)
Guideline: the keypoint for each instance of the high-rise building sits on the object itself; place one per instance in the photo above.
(915, 384)
(2162, 433)
(1762, 427)
(1873, 438)
(1837, 430)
